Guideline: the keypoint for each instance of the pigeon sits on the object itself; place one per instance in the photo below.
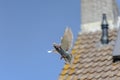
(64, 48)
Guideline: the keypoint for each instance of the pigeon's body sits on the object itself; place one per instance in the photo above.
(64, 48)
(64, 54)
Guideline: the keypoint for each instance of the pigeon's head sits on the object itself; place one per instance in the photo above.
(56, 45)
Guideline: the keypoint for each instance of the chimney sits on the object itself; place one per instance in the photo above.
(104, 27)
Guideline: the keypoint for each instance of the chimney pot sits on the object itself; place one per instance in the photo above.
(104, 26)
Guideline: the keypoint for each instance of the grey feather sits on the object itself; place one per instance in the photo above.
(67, 39)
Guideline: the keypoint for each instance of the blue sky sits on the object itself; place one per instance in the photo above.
(27, 30)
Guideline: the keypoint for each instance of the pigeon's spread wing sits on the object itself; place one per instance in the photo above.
(66, 41)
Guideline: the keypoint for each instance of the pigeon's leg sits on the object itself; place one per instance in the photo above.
(62, 57)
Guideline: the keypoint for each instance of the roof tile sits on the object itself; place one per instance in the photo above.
(92, 60)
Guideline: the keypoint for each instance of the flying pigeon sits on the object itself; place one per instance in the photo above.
(64, 47)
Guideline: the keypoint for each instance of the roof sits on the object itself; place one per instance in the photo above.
(92, 60)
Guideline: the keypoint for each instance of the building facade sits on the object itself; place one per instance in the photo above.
(92, 59)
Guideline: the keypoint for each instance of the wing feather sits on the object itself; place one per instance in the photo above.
(66, 41)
